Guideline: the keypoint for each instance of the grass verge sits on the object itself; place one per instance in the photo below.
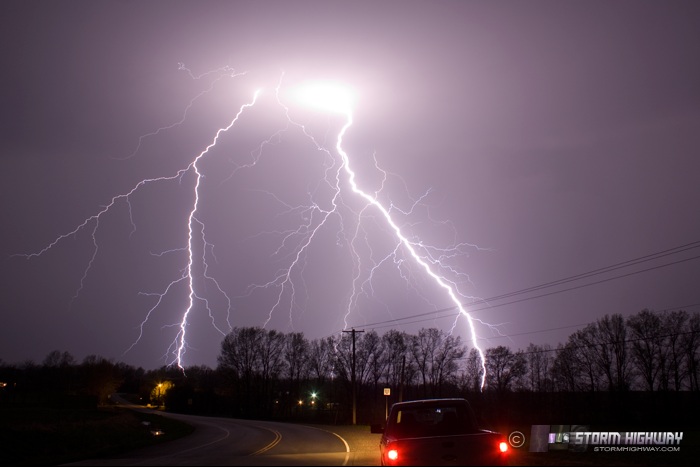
(51, 436)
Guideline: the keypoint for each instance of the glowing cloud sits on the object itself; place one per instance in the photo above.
(326, 96)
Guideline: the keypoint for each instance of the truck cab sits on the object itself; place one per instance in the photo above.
(438, 432)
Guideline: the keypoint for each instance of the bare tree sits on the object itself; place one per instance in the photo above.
(396, 353)
(296, 356)
(646, 346)
(473, 372)
(57, 359)
(503, 367)
(433, 353)
(240, 354)
(379, 363)
(691, 347)
(342, 357)
(611, 351)
(368, 356)
(272, 363)
(582, 345)
(240, 351)
(321, 359)
(100, 377)
(58, 372)
(450, 350)
(539, 360)
(674, 325)
(566, 368)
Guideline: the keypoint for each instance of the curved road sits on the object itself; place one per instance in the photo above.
(226, 441)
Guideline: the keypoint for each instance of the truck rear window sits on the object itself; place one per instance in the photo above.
(432, 421)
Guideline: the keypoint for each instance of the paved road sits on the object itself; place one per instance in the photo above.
(226, 441)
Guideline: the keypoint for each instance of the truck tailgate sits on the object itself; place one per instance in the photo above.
(468, 449)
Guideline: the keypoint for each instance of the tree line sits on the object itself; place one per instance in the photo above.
(264, 373)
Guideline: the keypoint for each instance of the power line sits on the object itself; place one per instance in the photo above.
(582, 324)
(431, 315)
(596, 344)
(613, 267)
(593, 283)
(567, 347)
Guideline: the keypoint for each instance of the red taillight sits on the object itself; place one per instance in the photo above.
(503, 446)
(392, 454)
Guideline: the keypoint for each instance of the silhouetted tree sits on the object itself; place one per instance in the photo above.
(675, 372)
(503, 368)
(423, 353)
(321, 359)
(378, 362)
(58, 375)
(611, 351)
(582, 344)
(445, 367)
(100, 377)
(473, 372)
(690, 344)
(646, 346)
(539, 360)
(566, 368)
(241, 353)
(395, 353)
(296, 354)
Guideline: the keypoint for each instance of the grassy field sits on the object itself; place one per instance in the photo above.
(50, 436)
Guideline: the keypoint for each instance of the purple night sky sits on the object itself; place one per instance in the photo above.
(518, 143)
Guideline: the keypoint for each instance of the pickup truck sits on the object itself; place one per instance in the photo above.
(438, 432)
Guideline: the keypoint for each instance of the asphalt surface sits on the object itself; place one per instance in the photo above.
(364, 445)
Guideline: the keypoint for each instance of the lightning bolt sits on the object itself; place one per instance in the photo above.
(333, 98)
(180, 342)
(410, 246)
(339, 174)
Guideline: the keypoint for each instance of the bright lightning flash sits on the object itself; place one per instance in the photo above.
(337, 98)
(326, 97)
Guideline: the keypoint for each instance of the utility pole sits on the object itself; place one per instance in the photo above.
(403, 366)
(354, 396)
